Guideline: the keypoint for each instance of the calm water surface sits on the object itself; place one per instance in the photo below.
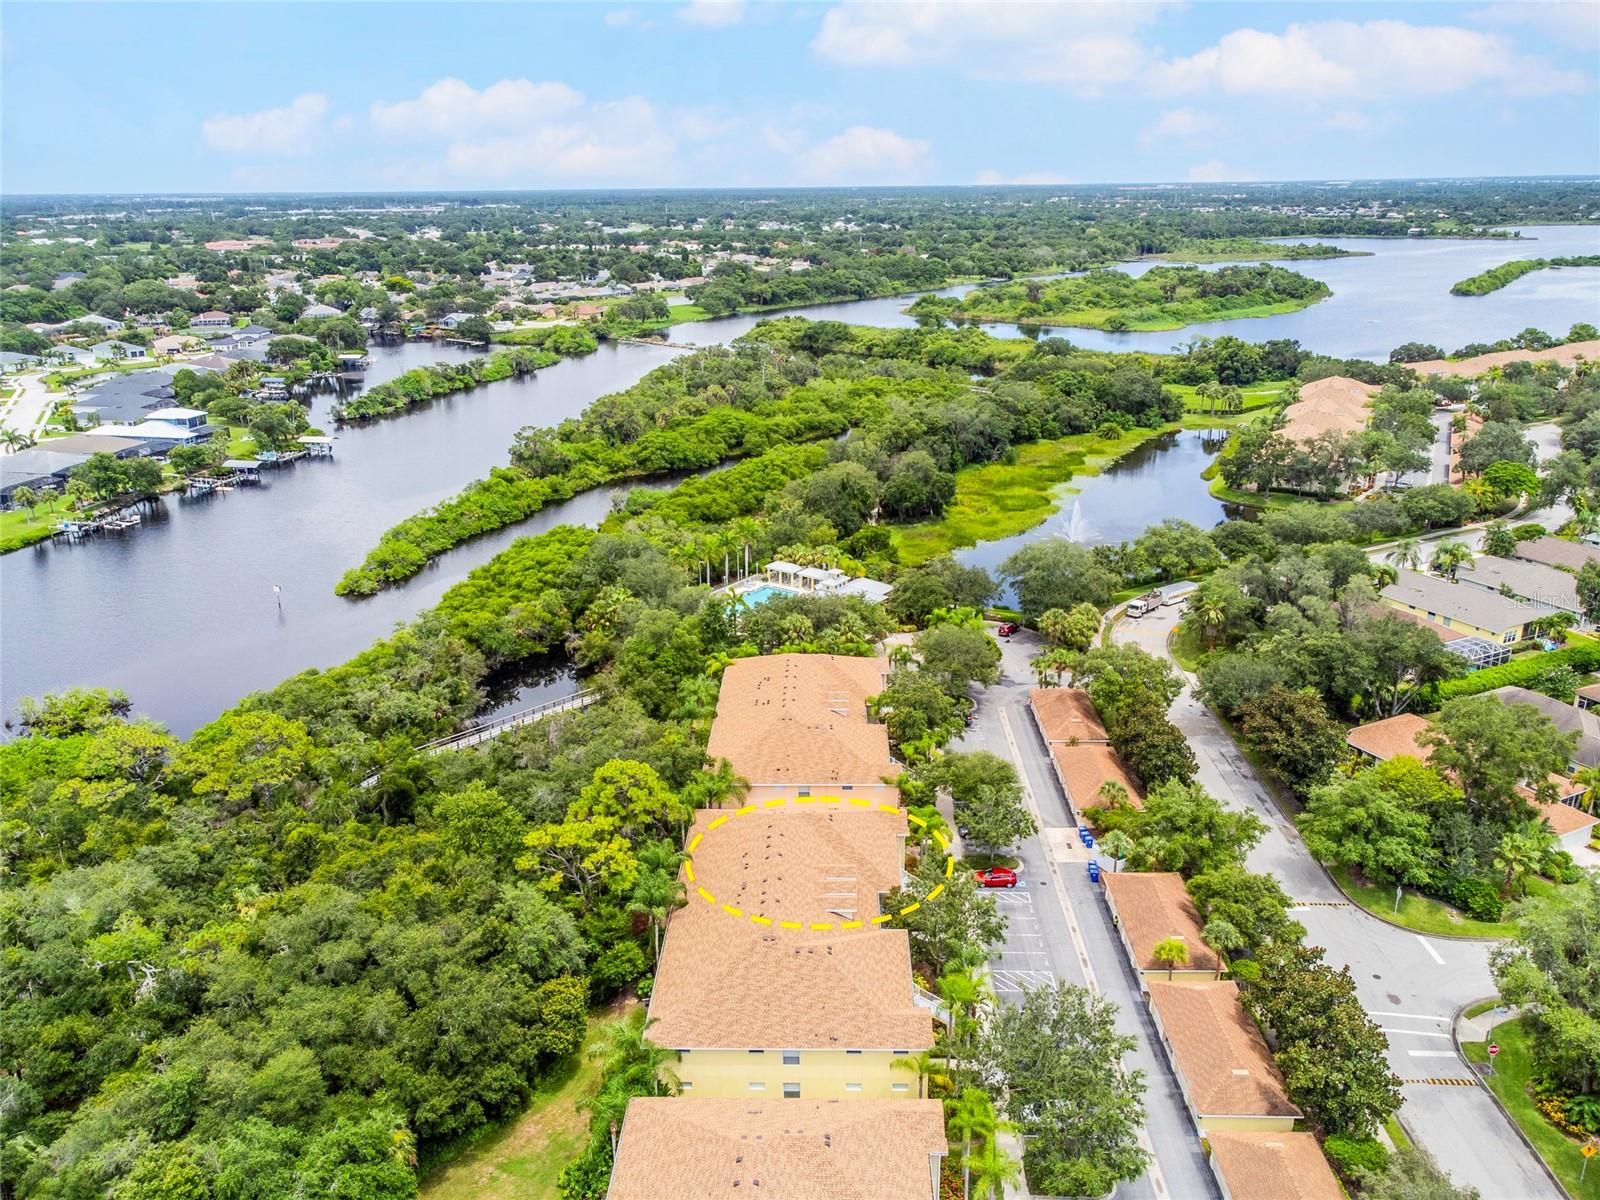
(181, 614)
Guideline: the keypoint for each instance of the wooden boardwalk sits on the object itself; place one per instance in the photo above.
(493, 729)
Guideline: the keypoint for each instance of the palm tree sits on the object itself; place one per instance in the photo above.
(1406, 553)
(23, 496)
(658, 890)
(1588, 777)
(963, 992)
(993, 1170)
(1449, 558)
(971, 1116)
(14, 440)
(1383, 575)
(1521, 853)
(1211, 615)
(625, 1053)
(922, 1063)
(1223, 937)
(1117, 843)
(1171, 952)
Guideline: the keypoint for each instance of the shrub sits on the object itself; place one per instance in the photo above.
(1478, 898)
(1521, 673)
(1349, 1154)
(618, 966)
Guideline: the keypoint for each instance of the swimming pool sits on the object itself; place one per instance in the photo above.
(764, 593)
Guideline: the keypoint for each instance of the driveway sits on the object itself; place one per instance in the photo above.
(1410, 985)
(1058, 927)
(27, 411)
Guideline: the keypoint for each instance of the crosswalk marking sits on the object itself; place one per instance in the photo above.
(1020, 981)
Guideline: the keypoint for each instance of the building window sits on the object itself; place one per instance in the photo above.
(757, 1087)
(900, 1053)
(757, 1051)
(852, 1087)
(685, 1086)
(791, 1091)
(1511, 636)
(848, 787)
(852, 1052)
(791, 1058)
(900, 1088)
(805, 791)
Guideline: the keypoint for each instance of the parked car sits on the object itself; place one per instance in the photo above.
(1007, 628)
(996, 877)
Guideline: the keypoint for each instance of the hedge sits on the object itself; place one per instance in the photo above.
(1522, 672)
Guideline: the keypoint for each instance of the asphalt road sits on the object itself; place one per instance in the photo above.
(1058, 928)
(1410, 985)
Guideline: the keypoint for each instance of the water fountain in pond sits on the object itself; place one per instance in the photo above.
(1071, 523)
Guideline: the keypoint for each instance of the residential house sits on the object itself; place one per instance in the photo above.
(452, 320)
(1271, 1166)
(1523, 580)
(1589, 697)
(87, 444)
(75, 356)
(315, 311)
(1558, 552)
(1084, 771)
(175, 343)
(1224, 1070)
(1148, 907)
(159, 436)
(1475, 611)
(1569, 718)
(127, 397)
(1336, 404)
(210, 320)
(12, 361)
(65, 280)
(796, 725)
(234, 245)
(1379, 741)
(109, 324)
(188, 418)
(775, 982)
(1067, 716)
(703, 1148)
(115, 351)
(35, 468)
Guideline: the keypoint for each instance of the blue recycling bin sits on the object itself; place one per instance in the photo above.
(1094, 870)
(1089, 841)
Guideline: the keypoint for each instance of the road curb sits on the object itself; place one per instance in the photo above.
(1455, 1041)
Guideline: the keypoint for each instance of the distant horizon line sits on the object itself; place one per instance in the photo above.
(1327, 181)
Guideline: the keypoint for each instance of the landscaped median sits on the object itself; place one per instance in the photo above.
(1513, 1082)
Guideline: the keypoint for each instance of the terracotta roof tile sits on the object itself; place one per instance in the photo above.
(1153, 906)
(1565, 818)
(707, 1148)
(1273, 1166)
(1219, 1051)
(1085, 768)
(1066, 715)
(726, 982)
(1392, 737)
(791, 719)
(1336, 404)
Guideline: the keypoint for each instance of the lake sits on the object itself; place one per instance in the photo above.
(181, 614)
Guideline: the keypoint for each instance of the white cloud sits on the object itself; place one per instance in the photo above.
(1329, 59)
(1571, 25)
(275, 131)
(615, 142)
(1085, 46)
(453, 108)
(863, 154)
(1214, 170)
(712, 14)
(1179, 125)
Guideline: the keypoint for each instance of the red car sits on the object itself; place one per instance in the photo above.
(996, 877)
(1007, 628)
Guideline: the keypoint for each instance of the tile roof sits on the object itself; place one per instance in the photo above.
(1273, 1166)
(1391, 737)
(1463, 602)
(1557, 552)
(1066, 715)
(1336, 404)
(1218, 1050)
(709, 1148)
(1566, 818)
(1084, 768)
(798, 719)
(1154, 905)
(727, 982)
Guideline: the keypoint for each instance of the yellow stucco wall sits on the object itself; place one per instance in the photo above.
(821, 1074)
(1459, 626)
(1247, 1124)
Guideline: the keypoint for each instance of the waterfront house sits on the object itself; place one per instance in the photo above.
(36, 468)
(1147, 908)
(214, 319)
(1475, 611)
(115, 351)
(160, 436)
(1224, 1070)
(700, 1148)
(315, 311)
(452, 320)
(1271, 1166)
(1336, 404)
(797, 725)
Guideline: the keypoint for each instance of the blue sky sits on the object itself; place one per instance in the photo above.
(368, 96)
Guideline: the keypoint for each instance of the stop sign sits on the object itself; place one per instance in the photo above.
(1494, 1048)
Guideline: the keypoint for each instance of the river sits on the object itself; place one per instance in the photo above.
(181, 612)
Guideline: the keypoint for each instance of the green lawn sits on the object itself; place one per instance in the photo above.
(523, 1158)
(1513, 1073)
(19, 528)
(1424, 914)
(1186, 647)
(1001, 499)
(1257, 396)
